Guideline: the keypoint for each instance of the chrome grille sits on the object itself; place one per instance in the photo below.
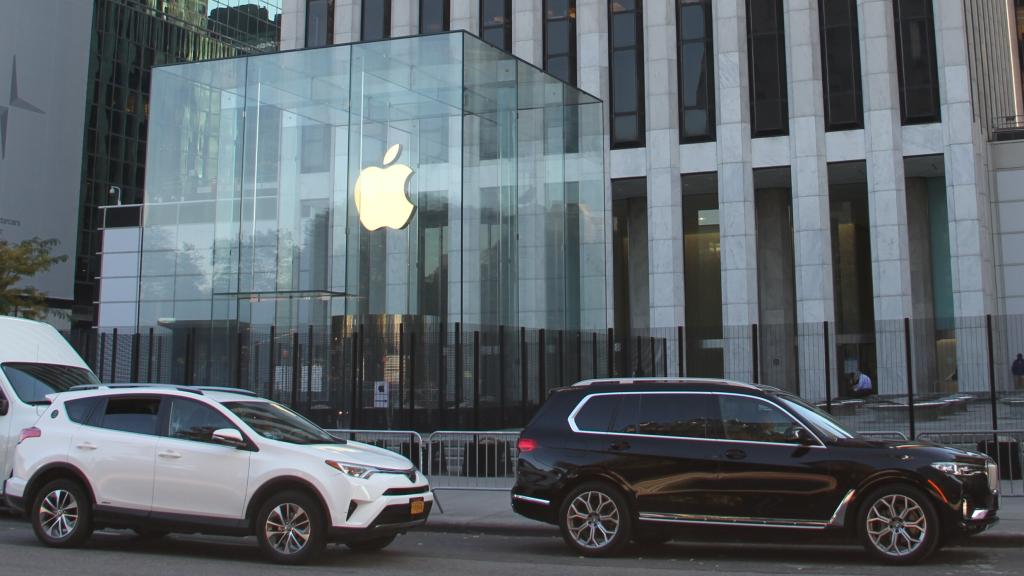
(993, 476)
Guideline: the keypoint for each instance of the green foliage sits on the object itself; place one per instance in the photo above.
(21, 261)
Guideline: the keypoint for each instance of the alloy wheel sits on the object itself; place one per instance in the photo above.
(897, 525)
(592, 519)
(58, 514)
(287, 528)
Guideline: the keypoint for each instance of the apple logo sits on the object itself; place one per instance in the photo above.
(380, 194)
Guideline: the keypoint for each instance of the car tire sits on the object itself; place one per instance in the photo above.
(371, 544)
(290, 528)
(898, 524)
(596, 520)
(61, 514)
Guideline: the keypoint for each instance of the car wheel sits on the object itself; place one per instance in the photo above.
(372, 544)
(62, 514)
(898, 524)
(595, 520)
(290, 528)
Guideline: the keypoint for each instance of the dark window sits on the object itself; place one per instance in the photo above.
(596, 414)
(694, 27)
(138, 415)
(316, 148)
(32, 382)
(626, 45)
(435, 16)
(686, 415)
(376, 19)
(191, 420)
(916, 63)
(319, 23)
(496, 23)
(766, 48)
(560, 39)
(627, 415)
(80, 410)
(840, 64)
(749, 419)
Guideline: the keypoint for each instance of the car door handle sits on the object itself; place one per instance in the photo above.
(169, 454)
(85, 446)
(735, 454)
(619, 446)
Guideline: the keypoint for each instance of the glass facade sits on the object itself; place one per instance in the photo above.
(376, 16)
(916, 60)
(496, 23)
(626, 66)
(694, 29)
(319, 23)
(435, 16)
(128, 39)
(348, 187)
(560, 39)
(766, 48)
(840, 63)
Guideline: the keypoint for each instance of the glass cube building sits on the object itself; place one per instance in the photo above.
(380, 188)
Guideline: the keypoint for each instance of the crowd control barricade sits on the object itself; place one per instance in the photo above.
(1004, 446)
(405, 442)
(463, 460)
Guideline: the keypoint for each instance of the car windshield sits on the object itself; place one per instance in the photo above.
(32, 382)
(822, 421)
(276, 422)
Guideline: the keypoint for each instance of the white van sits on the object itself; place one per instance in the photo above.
(35, 360)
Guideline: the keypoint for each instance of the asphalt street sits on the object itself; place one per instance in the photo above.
(426, 554)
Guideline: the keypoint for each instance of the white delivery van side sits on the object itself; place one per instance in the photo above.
(35, 360)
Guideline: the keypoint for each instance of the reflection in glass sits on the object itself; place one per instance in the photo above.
(702, 260)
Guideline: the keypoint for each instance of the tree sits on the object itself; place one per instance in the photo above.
(19, 262)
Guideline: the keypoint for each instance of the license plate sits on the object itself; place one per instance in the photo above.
(416, 506)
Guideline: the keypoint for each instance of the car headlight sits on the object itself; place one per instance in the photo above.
(957, 468)
(353, 470)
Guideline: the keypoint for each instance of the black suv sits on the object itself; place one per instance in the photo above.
(615, 460)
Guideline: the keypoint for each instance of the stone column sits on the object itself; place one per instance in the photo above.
(887, 194)
(465, 15)
(735, 187)
(967, 198)
(293, 24)
(592, 50)
(405, 18)
(528, 31)
(812, 243)
(348, 21)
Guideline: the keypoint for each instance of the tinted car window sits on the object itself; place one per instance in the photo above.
(750, 419)
(139, 415)
(32, 382)
(191, 420)
(80, 410)
(276, 422)
(686, 415)
(596, 414)
(627, 415)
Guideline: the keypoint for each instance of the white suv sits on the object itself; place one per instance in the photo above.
(161, 459)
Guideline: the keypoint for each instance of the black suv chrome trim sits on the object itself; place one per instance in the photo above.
(531, 499)
(837, 520)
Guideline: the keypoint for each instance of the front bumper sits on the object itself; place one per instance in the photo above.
(393, 519)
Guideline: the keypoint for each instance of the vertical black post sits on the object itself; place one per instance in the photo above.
(593, 354)
(542, 360)
(754, 348)
(159, 357)
(90, 349)
(992, 374)
(639, 370)
(579, 355)
(296, 369)
(236, 380)
(136, 343)
(524, 376)
(113, 357)
(102, 354)
(910, 375)
(654, 363)
(561, 360)
(442, 384)
(501, 373)
(681, 352)
(360, 371)
(271, 382)
(193, 347)
(412, 379)
(309, 369)
(664, 357)
(459, 374)
(355, 379)
(149, 356)
(828, 370)
(476, 379)
(401, 370)
(611, 353)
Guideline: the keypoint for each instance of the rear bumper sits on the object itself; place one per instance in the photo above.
(533, 508)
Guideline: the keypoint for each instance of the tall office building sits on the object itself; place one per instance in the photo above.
(798, 166)
(128, 38)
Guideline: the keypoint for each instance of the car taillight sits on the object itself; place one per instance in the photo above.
(526, 445)
(27, 433)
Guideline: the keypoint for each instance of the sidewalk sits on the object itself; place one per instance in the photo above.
(491, 513)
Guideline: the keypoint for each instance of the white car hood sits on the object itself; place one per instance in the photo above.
(359, 453)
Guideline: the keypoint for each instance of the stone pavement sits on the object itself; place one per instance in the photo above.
(490, 512)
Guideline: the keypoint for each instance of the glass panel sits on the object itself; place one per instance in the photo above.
(376, 19)
(916, 58)
(702, 259)
(841, 64)
(626, 106)
(596, 414)
(686, 415)
(434, 16)
(696, 71)
(194, 421)
(766, 47)
(749, 419)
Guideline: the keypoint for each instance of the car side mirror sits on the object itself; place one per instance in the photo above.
(229, 437)
(801, 436)
(5, 407)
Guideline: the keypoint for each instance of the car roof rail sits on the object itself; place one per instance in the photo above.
(116, 386)
(229, 390)
(664, 380)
